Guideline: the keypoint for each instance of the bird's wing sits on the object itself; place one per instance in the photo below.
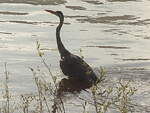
(81, 65)
(85, 70)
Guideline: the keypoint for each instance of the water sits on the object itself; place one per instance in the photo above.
(113, 34)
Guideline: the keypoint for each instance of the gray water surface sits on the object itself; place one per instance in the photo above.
(114, 34)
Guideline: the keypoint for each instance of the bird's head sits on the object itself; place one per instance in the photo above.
(57, 13)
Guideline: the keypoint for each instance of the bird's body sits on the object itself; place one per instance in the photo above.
(72, 65)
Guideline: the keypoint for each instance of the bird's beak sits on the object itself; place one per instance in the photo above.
(50, 11)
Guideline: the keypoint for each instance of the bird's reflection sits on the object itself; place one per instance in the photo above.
(69, 86)
(72, 85)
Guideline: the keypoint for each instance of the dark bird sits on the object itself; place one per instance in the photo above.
(72, 65)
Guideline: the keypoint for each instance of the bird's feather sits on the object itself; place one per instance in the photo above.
(74, 66)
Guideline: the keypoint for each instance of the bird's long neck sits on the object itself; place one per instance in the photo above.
(61, 48)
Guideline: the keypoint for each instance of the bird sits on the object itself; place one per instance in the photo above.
(72, 65)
